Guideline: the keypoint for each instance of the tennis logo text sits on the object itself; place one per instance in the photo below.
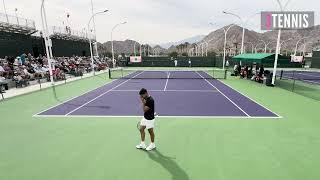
(271, 20)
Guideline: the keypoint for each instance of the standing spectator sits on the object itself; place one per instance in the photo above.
(23, 58)
(189, 63)
(175, 63)
(227, 64)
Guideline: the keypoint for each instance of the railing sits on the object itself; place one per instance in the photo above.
(69, 32)
(18, 21)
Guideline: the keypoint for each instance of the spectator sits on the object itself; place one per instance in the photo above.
(227, 64)
(23, 58)
(2, 71)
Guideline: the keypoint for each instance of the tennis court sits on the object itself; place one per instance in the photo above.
(181, 93)
(305, 76)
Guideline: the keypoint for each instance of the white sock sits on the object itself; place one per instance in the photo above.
(142, 143)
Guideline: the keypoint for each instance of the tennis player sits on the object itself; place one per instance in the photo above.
(147, 121)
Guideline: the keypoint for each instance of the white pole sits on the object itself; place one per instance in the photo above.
(91, 50)
(207, 46)
(276, 58)
(46, 37)
(225, 44)
(113, 60)
(15, 10)
(134, 48)
(242, 41)
(283, 43)
(295, 50)
(91, 57)
(252, 46)
(224, 49)
(278, 46)
(5, 10)
(266, 47)
(94, 29)
(202, 51)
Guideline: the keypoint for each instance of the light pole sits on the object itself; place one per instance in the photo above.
(295, 50)
(207, 46)
(265, 45)
(304, 48)
(91, 53)
(5, 10)
(225, 44)
(283, 43)
(196, 50)
(114, 27)
(252, 46)
(282, 8)
(94, 29)
(47, 39)
(244, 23)
(134, 48)
(16, 10)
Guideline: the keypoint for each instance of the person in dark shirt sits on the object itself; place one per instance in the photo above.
(147, 121)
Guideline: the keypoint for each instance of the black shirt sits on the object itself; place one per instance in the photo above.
(149, 115)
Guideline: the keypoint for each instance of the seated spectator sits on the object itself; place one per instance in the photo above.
(250, 72)
(2, 71)
(244, 72)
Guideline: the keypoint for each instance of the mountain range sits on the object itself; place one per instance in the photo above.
(215, 40)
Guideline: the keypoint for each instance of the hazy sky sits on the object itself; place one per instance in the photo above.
(152, 21)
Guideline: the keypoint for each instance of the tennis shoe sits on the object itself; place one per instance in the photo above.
(151, 147)
(141, 146)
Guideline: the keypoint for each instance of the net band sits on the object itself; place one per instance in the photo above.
(300, 75)
(167, 74)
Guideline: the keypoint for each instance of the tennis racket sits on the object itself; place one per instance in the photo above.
(139, 122)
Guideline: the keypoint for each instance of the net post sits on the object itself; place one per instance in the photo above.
(294, 81)
(281, 74)
(109, 73)
(225, 74)
(293, 85)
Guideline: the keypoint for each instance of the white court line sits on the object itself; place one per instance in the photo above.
(251, 99)
(180, 117)
(165, 87)
(183, 90)
(108, 83)
(102, 94)
(223, 95)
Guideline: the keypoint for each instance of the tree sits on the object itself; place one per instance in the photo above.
(173, 54)
(107, 54)
(211, 54)
(185, 54)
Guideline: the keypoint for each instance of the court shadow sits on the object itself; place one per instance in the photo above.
(169, 164)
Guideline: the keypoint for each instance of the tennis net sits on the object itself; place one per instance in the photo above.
(306, 76)
(121, 73)
(303, 82)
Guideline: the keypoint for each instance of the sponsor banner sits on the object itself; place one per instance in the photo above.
(135, 59)
(297, 59)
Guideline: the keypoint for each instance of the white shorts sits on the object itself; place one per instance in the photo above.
(147, 123)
